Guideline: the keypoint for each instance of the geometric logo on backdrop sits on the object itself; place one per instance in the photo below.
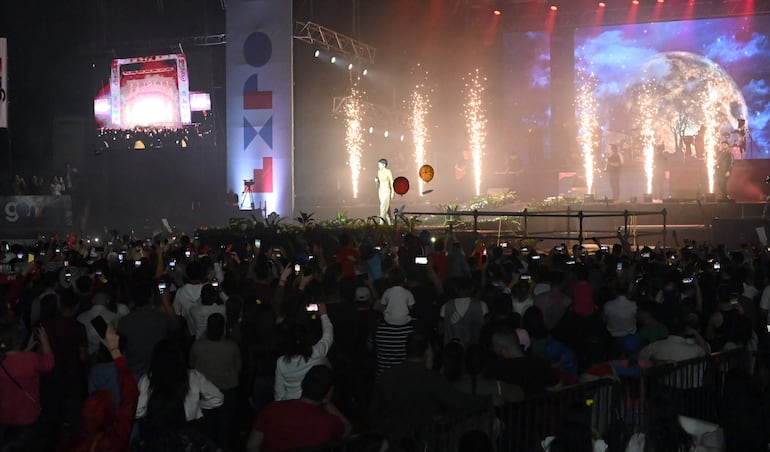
(263, 178)
(250, 132)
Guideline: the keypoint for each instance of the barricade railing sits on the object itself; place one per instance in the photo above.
(697, 386)
(568, 233)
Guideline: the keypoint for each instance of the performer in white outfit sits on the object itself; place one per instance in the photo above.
(384, 182)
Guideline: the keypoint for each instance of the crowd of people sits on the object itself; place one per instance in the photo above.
(185, 344)
(36, 185)
(155, 137)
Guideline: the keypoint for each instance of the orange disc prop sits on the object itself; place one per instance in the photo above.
(426, 173)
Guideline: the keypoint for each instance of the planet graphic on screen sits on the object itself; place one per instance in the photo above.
(678, 84)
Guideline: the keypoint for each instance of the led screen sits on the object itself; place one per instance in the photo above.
(673, 82)
(527, 88)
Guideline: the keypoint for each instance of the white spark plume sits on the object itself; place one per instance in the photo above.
(476, 123)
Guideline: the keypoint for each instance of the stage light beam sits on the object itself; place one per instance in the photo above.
(476, 122)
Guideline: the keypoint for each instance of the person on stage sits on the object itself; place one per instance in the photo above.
(614, 164)
(384, 181)
(724, 168)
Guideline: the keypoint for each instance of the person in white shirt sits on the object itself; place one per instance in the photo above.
(521, 298)
(291, 368)
(200, 313)
(170, 379)
(100, 300)
(397, 301)
(620, 314)
(189, 295)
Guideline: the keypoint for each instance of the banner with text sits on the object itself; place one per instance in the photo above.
(33, 214)
(3, 83)
(260, 137)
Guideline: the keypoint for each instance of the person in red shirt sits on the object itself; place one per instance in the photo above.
(347, 257)
(439, 260)
(294, 424)
(20, 384)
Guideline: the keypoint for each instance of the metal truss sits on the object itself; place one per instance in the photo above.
(377, 114)
(318, 35)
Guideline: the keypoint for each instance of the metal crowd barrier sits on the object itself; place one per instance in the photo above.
(697, 386)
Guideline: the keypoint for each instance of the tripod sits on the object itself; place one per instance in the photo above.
(247, 192)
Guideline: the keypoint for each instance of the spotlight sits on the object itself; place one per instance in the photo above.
(334, 59)
(317, 53)
(386, 134)
(554, 8)
(602, 4)
(661, 1)
(635, 2)
(366, 71)
(497, 12)
(371, 129)
(350, 66)
(402, 139)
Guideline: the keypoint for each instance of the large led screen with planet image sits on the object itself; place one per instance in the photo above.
(684, 86)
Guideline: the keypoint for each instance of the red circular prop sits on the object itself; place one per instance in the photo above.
(401, 185)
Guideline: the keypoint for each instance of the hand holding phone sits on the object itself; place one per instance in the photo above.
(99, 325)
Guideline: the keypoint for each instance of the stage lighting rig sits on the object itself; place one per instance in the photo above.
(328, 39)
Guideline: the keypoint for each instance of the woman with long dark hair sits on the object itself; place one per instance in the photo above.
(170, 382)
(301, 355)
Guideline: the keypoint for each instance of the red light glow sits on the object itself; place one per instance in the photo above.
(635, 2)
(497, 12)
(602, 4)
(554, 8)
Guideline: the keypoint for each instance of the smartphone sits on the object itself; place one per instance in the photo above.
(297, 269)
(137, 264)
(30, 258)
(536, 257)
(619, 267)
(687, 280)
(525, 277)
(187, 254)
(312, 307)
(378, 248)
(768, 328)
(421, 260)
(560, 248)
(570, 262)
(717, 266)
(161, 287)
(524, 249)
(215, 283)
(66, 263)
(257, 243)
(172, 264)
(604, 248)
(504, 245)
(121, 257)
(646, 255)
(99, 325)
